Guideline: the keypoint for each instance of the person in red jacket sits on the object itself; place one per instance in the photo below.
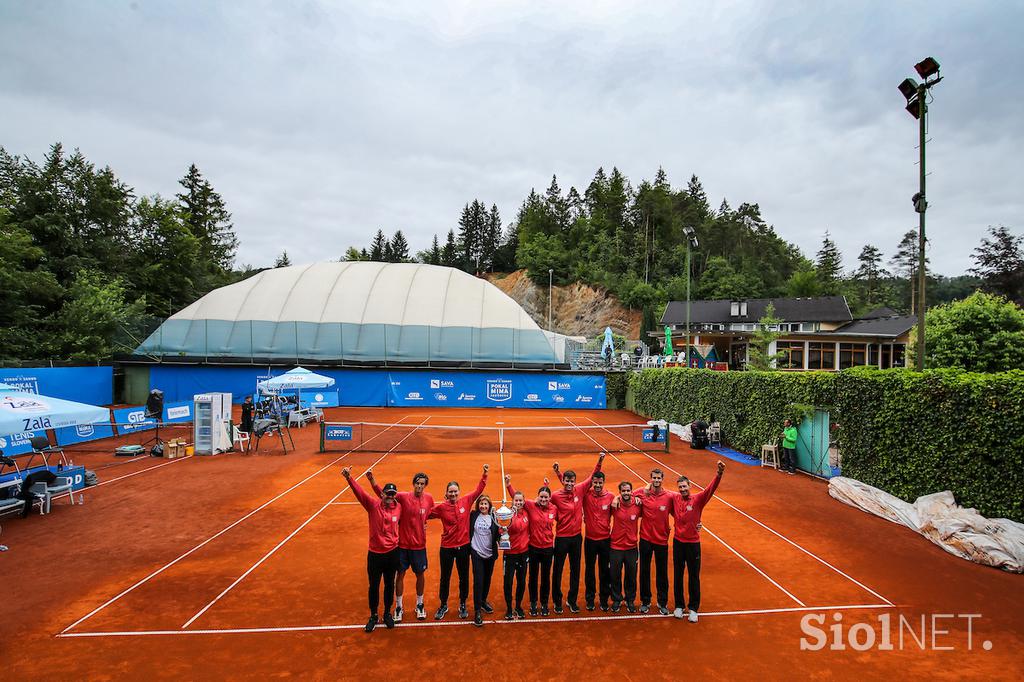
(597, 516)
(454, 514)
(541, 546)
(412, 539)
(382, 557)
(515, 557)
(657, 507)
(569, 534)
(626, 512)
(686, 512)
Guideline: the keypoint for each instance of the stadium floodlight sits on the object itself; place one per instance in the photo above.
(917, 106)
(927, 67)
(691, 242)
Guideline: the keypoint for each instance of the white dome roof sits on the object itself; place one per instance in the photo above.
(362, 292)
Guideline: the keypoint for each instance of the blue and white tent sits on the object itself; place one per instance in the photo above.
(295, 380)
(21, 412)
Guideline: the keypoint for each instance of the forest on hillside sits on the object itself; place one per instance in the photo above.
(88, 267)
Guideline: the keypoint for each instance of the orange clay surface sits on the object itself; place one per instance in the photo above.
(263, 556)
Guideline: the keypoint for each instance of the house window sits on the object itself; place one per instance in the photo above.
(809, 326)
(821, 355)
(792, 354)
(873, 354)
(899, 355)
(852, 355)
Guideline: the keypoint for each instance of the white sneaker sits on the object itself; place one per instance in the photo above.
(678, 613)
(398, 614)
(693, 617)
(421, 612)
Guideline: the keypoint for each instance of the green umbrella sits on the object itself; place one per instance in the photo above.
(668, 340)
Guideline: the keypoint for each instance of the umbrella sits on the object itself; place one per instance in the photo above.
(21, 412)
(295, 379)
(668, 340)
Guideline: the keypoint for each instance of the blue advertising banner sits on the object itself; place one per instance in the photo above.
(334, 432)
(178, 412)
(648, 436)
(327, 398)
(132, 419)
(449, 389)
(90, 385)
(70, 435)
(18, 443)
(354, 388)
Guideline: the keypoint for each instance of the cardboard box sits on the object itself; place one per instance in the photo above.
(174, 448)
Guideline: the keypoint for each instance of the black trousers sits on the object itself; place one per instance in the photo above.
(660, 553)
(540, 563)
(686, 555)
(566, 548)
(623, 561)
(382, 567)
(483, 569)
(459, 556)
(515, 569)
(596, 560)
(788, 459)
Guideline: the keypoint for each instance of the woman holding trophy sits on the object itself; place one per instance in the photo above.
(541, 545)
(515, 540)
(483, 551)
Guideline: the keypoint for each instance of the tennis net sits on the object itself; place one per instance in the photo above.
(375, 437)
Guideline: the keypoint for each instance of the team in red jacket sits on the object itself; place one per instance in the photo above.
(621, 532)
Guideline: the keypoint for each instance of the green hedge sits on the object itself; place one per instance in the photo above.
(905, 432)
(615, 389)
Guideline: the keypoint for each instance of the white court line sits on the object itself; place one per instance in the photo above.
(342, 503)
(212, 537)
(294, 532)
(121, 478)
(724, 543)
(772, 530)
(467, 622)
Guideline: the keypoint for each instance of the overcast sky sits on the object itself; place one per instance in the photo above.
(321, 122)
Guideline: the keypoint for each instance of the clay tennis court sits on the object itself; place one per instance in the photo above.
(234, 566)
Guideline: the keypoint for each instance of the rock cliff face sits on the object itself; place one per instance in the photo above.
(576, 310)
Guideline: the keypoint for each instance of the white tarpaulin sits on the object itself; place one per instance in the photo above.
(959, 531)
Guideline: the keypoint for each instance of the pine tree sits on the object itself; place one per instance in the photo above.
(829, 266)
(379, 247)
(209, 220)
(1000, 264)
(353, 254)
(905, 262)
(450, 252)
(491, 239)
(283, 260)
(870, 274)
(433, 254)
(398, 248)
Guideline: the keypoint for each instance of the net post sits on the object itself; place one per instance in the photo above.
(323, 428)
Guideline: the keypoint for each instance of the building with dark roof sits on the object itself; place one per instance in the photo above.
(818, 333)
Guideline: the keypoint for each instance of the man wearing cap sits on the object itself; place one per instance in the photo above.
(382, 557)
(412, 539)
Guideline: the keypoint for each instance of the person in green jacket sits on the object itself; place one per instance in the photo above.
(788, 447)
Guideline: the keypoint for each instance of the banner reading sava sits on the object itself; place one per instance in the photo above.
(438, 389)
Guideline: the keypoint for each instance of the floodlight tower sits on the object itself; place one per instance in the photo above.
(915, 92)
(691, 242)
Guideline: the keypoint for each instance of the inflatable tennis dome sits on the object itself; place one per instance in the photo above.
(356, 311)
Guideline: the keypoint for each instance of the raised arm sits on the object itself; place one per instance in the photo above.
(478, 491)
(373, 484)
(584, 485)
(357, 490)
(708, 492)
(508, 487)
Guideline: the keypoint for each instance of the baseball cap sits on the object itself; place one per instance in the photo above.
(390, 489)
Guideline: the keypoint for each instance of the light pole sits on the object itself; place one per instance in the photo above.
(691, 241)
(914, 93)
(551, 272)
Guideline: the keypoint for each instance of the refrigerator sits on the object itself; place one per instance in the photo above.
(212, 423)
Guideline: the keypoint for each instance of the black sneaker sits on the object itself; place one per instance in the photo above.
(533, 609)
(463, 612)
(663, 610)
(558, 608)
(574, 607)
(478, 619)
(441, 612)
(372, 623)
(520, 614)
(616, 607)
(604, 606)
(389, 621)
(631, 607)
(544, 610)
(488, 608)
(510, 615)
(644, 608)
(398, 614)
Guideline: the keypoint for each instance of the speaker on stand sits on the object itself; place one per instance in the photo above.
(155, 410)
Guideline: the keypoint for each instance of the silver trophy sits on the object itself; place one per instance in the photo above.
(503, 515)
